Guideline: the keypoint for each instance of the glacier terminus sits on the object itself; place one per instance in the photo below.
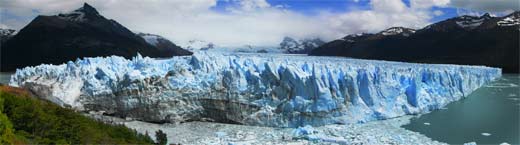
(278, 90)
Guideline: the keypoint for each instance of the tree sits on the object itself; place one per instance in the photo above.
(161, 138)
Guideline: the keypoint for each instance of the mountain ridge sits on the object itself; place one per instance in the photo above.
(472, 40)
(56, 39)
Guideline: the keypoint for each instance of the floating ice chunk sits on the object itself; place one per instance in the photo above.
(504, 143)
(301, 131)
(502, 85)
(471, 143)
(426, 123)
(486, 134)
(311, 134)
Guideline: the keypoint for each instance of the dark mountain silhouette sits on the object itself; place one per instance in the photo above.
(472, 40)
(165, 46)
(81, 33)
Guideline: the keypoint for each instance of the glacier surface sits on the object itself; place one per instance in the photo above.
(278, 90)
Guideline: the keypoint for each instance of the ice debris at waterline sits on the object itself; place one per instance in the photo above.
(384, 132)
(253, 89)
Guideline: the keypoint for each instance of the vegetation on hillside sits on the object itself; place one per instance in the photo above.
(161, 138)
(28, 120)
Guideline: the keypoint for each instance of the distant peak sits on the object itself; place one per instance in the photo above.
(486, 15)
(398, 30)
(87, 9)
(515, 13)
(86, 5)
(81, 14)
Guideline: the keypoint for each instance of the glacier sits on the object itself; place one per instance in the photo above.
(278, 90)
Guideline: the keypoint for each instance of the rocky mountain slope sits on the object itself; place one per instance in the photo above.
(81, 33)
(5, 34)
(302, 46)
(484, 40)
(165, 46)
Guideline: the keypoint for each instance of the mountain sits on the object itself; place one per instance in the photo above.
(302, 46)
(5, 34)
(195, 45)
(165, 46)
(81, 33)
(473, 40)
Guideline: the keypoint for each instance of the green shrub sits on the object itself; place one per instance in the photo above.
(161, 138)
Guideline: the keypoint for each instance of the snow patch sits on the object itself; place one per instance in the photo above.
(509, 21)
(7, 32)
(398, 30)
(151, 39)
(470, 21)
(75, 16)
(291, 45)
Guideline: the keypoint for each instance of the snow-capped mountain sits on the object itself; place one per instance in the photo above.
(471, 21)
(81, 33)
(164, 45)
(201, 45)
(5, 34)
(83, 14)
(195, 45)
(510, 20)
(355, 37)
(475, 40)
(397, 31)
(287, 45)
(302, 46)
(253, 89)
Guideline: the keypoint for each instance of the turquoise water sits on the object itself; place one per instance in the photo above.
(490, 115)
(5, 77)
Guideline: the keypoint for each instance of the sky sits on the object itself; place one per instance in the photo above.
(258, 22)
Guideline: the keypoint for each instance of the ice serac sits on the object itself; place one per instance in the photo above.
(253, 89)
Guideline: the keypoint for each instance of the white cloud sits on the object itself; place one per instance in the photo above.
(388, 6)
(438, 13)
(253, 22)
(428, 3)
(487, 5)
(384, 14)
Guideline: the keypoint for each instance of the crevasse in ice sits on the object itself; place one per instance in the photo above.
(254, 89)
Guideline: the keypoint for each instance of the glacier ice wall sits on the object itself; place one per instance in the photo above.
(253, 89)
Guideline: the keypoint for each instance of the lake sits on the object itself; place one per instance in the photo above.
(490, 115)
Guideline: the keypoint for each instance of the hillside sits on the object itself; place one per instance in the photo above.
(27, 120)
(81, 33)
(484, 40)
